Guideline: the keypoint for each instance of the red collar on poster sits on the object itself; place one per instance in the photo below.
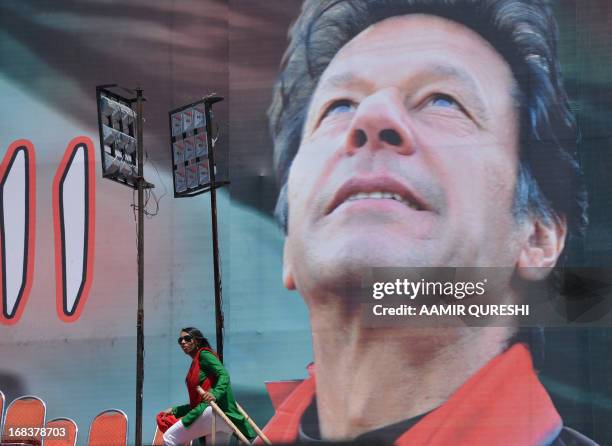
(503, 403)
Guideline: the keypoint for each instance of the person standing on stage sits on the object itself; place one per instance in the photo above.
(207, 380)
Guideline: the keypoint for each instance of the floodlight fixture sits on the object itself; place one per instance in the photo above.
(190, 140)
(118, 127)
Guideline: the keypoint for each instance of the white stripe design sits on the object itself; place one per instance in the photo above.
(73, 194)
(14, 211)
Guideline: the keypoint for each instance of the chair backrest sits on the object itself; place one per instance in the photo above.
(1, 410)
(158, 438)
(109, 428)
(61, 432)
(24, 420)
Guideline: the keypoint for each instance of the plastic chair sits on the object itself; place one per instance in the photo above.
(24, 412)
(68, 436)
(158, 438)
(2, 400)
(108, 428)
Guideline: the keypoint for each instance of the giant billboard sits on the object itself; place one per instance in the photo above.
(369, 145)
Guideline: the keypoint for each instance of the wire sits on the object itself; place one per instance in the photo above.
(150, 193)
(217, 134)
(134, 206)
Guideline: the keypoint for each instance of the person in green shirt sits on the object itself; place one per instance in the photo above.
(207, 380)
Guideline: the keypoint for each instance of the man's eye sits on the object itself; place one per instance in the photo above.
(339, 107)
(443, 100)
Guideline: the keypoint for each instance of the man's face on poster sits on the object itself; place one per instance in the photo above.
(409, 157)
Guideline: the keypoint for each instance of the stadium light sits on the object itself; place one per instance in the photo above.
(190, 139)
(117, 124)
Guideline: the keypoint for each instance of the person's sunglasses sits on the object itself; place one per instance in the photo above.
(186, 338)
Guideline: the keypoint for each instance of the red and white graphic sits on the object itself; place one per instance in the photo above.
(17, 228)
(74, 223)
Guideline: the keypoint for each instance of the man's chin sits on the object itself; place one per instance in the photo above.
(346, 273)
(359, 253)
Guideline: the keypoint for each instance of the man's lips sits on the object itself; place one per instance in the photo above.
(372, 188)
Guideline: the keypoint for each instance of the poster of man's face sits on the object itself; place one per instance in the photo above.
(404, 178)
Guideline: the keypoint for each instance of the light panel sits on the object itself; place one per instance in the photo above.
(189, 142)
(117, 123)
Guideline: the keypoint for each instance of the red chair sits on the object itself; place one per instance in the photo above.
(1, 410)
(61, 432)
(108, 428)
(26, 412)
(158, 438)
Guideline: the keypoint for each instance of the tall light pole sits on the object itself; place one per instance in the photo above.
(190, 129)
(122, 154)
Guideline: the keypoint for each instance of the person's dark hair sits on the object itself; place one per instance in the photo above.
(550, 184)
(196, 334)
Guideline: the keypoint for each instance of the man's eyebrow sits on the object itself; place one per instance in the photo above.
(346, 80)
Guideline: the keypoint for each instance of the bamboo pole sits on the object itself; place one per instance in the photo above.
(213, 434)
(239, 434)
(252, 423)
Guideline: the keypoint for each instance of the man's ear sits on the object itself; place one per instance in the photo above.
(541, 249)
(287, 270)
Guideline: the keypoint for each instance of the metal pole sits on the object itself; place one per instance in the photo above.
(213, 210)
(140, 232)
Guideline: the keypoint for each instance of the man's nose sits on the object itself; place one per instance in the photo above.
(380, 122)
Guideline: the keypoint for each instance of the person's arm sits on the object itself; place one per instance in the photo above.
(211, 365)
(181, 411)
(192, 414)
